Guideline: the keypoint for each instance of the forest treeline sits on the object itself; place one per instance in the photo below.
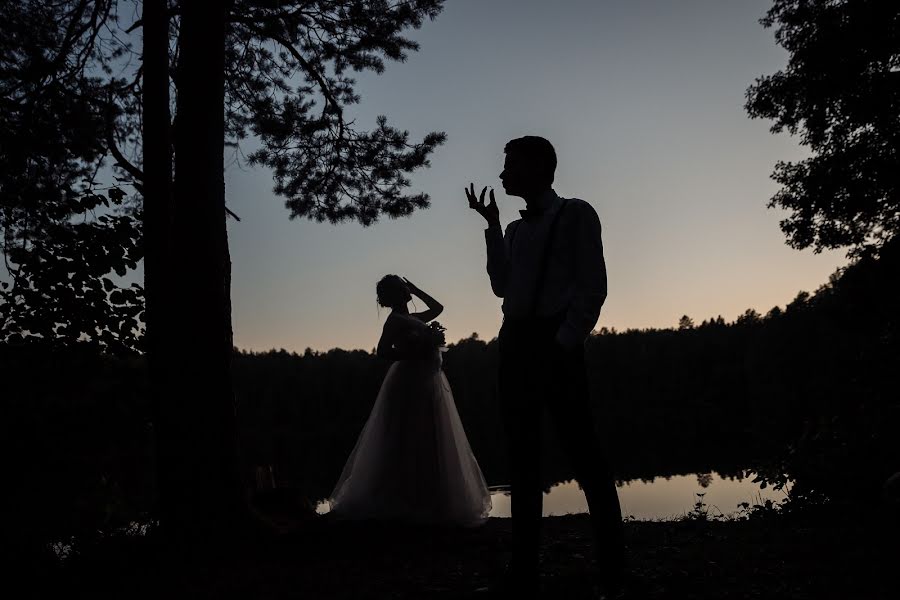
(807, 391)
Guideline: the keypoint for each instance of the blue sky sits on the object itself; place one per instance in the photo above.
(644, 103)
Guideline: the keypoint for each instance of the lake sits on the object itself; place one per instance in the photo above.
(661, 498)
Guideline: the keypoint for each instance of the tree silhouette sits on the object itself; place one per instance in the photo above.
(64, 230)
(274, 70)
(324, 166)
(685, 322)
(841, 92)
(234, 73)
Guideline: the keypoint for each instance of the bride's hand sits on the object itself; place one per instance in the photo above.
(412, 287)
(489, 211)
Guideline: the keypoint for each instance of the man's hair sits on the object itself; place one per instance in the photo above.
(536, 150)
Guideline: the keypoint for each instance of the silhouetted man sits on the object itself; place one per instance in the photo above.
(549, 269)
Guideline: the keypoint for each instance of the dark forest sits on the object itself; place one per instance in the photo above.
(805, 392)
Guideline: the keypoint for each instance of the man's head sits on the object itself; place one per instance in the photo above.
(529, 166)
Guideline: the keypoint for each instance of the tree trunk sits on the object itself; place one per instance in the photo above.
(157, 214)
(202, 496)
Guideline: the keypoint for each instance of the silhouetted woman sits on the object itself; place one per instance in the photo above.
(412, 461)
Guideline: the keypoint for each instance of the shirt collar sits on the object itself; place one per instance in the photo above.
(545, 202)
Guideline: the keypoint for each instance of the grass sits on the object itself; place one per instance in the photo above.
(812, 556)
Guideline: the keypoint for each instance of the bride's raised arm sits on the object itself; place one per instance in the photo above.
(435, 308)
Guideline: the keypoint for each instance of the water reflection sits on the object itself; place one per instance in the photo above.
(666, 498)
(660, 498)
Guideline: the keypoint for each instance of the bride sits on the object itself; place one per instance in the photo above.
(412, 460)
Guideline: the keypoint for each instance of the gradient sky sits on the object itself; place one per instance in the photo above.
(643, 101)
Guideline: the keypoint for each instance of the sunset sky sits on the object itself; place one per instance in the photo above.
(643, 100)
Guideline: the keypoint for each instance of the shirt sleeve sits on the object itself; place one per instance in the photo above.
(590, 280)
(497, 258)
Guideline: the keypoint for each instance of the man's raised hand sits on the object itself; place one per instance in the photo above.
(489, 210)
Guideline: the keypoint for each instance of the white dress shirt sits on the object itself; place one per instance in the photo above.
(575, 279)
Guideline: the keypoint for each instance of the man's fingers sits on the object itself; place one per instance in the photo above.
(473, 200)
(478, 204)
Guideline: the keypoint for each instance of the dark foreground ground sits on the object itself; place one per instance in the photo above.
(320, 558)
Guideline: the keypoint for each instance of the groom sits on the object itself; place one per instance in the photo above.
(548, 267)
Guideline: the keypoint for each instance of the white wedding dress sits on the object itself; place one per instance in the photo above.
(412, 461)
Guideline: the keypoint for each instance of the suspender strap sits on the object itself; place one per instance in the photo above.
(512, 236)
(545, 258)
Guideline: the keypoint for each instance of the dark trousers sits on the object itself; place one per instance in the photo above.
(538, 377)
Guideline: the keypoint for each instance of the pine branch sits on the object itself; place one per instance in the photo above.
(121, 161)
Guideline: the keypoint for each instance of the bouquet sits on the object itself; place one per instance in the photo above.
(437, 335)
(422, 342)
